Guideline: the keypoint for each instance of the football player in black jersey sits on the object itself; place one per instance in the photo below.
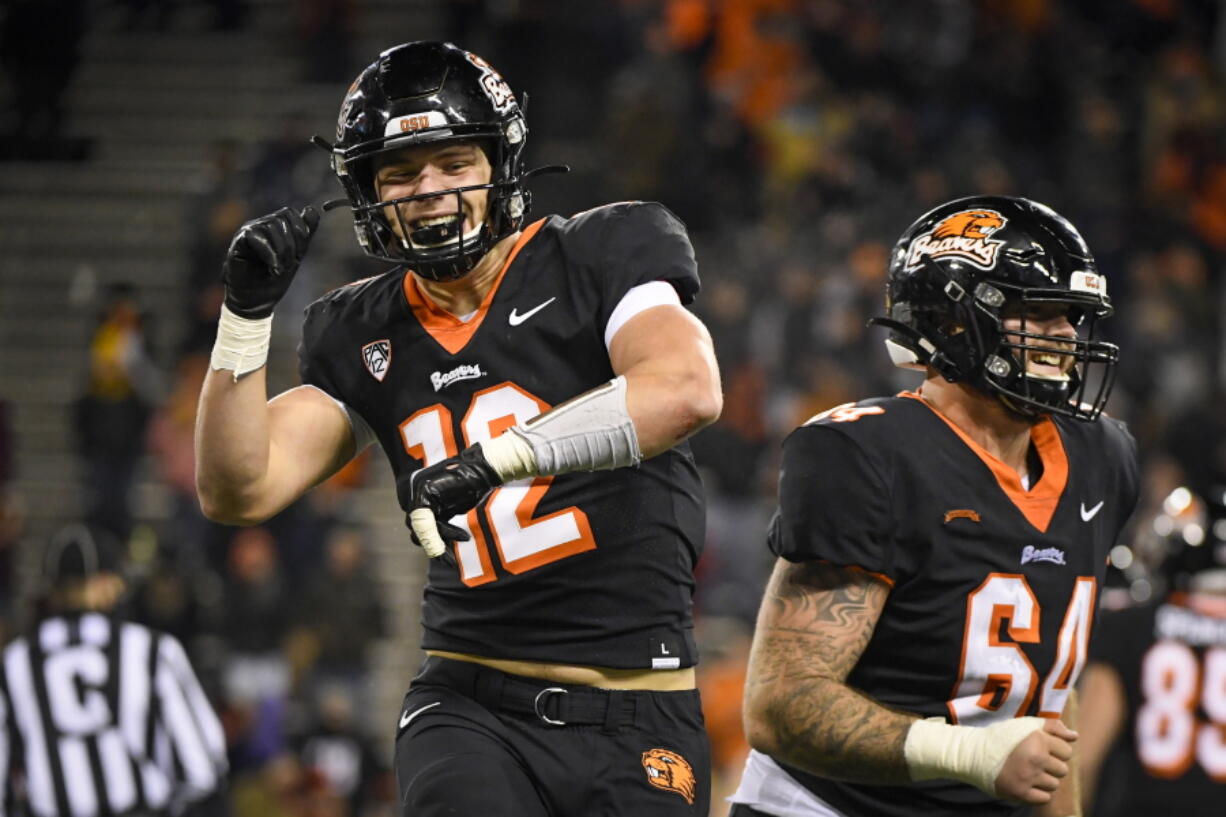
(941, 550)
(532, 386)
(1154, 690)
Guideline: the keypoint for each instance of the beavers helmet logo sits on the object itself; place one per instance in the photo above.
(965, 235)
(671, 772)
(970, 223)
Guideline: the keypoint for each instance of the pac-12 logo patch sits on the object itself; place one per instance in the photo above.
(671, 772)
(965, 235)
(377, 356)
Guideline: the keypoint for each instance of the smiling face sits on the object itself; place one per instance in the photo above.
(1044, 359)
(437, 220)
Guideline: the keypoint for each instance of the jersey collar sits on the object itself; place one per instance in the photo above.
(1038, 504)
(446, 329)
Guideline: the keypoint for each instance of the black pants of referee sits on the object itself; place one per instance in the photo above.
(476, 742)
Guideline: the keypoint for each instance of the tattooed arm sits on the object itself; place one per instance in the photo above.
(816, 619)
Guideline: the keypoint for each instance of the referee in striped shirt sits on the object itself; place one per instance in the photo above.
(101, 716)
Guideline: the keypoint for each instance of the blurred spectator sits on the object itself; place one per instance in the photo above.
(338, 751)
(214, 214)
(721, 681)
(10, 517)
(171, 444)
(288, 169)
(8, 446)
(733, 567)
(655, 94)
(340, 617)
(254, 625)
(110, 416)
(325, 32)
(40, 45)
(167, 601)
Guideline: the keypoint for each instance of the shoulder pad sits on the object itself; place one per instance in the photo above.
(849, 412)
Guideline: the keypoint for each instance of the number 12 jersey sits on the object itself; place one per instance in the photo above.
(584, 568)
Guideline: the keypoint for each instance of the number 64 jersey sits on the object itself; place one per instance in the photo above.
(992, 587)
(584, 568)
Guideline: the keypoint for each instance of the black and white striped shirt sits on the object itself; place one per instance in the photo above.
(103, 717)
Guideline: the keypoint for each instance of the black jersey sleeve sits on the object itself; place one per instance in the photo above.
(312, 362)
(833, 503)
(621, 246)
(1124, 448)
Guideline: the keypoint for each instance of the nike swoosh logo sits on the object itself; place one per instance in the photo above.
(1089, 513)
(407, 717)
(516, 319)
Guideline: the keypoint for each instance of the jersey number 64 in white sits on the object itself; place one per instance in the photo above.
(523, 541)
(996, 680)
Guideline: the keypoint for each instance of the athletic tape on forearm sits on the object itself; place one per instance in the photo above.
(592, 432)
(935, 749)
(242, 343)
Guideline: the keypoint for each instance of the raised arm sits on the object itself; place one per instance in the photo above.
(815, 621)
(253, 456)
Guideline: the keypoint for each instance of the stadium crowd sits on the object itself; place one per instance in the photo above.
(796, 138)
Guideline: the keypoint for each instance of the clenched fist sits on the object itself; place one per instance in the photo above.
(447, 489)
(1035, 767)
(263, 258)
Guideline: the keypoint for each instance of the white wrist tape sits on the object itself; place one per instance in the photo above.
(935, 749)
(591, 432)
(510, 455)
(242, 343)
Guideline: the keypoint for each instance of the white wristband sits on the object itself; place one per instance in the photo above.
(242, 343)
(935, 749)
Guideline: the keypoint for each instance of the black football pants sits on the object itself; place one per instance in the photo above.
(475, 742)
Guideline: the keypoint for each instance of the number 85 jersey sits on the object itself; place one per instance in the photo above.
(584, 568)
(992, 587)
(1170, 659)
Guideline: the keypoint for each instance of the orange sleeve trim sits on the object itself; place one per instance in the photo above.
(448, 330)
(881, 577)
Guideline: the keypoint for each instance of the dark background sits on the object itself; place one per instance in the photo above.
(796, 138)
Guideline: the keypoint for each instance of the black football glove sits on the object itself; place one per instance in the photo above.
(263, 258)
(443, 490)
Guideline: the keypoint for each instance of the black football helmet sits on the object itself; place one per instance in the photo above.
(425, 93)
(963, 267)
(1183, 547)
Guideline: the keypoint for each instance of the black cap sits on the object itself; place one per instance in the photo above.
(77, 552)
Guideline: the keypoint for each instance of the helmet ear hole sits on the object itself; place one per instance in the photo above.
(952, 328)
